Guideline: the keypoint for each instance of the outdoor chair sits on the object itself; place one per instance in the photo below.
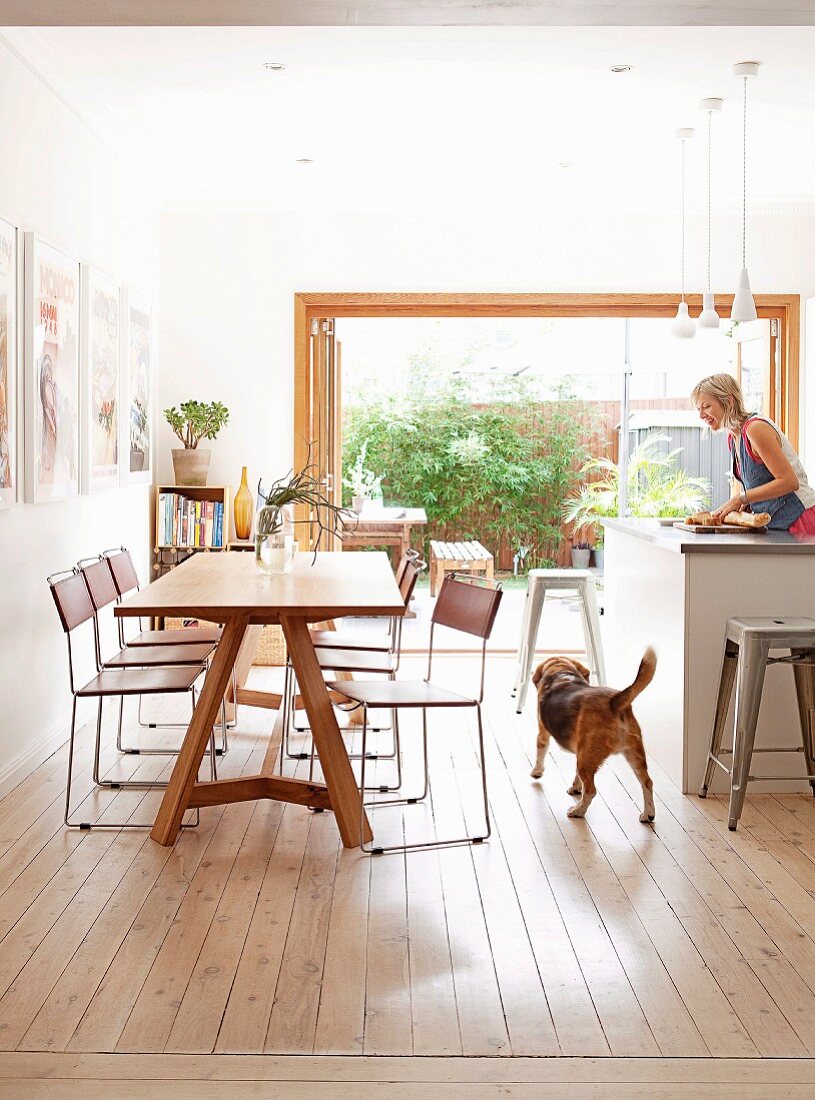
(75, 607)
(467, 605)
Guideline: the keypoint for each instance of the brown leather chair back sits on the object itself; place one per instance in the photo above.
(466, 606)
(99, 580)
(409, 555)
(410, 574)
(73, 601)
(121, 567)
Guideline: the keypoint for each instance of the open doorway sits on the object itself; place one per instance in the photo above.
(493, 414)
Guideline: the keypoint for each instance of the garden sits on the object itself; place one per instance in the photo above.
(525, 476)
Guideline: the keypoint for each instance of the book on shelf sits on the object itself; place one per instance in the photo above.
(183, 523)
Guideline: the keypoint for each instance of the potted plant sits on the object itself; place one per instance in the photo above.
(192, 422)
(364, 484)
(275, 545)
(581, 555)
(599, 553)
(657, 486)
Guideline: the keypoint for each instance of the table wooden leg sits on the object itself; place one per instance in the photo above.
(177, 795)
(339, 776)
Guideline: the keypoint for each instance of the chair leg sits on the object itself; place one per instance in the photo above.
(805, 693)
(591, 625)
(537, 595)
(726, 680)
(749, 684)
(70, 763)
(483, 779)
(522, 642)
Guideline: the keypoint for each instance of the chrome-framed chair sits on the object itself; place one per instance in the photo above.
(126, 580)
(103, 594)
(342, 652)
(75, 608)
(467, 604)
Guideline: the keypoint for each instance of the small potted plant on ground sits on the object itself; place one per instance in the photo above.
(581, 555)
(192, 422)
(364, 484)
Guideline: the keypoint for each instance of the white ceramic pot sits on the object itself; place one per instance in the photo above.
(358, 503)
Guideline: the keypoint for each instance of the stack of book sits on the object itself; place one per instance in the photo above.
(189, 523)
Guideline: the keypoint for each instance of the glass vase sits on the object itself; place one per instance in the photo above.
(274, 539)
(242, 510)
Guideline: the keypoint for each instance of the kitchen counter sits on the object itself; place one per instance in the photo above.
(685, 542)
(675, 590)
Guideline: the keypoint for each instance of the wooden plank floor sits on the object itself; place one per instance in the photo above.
(624, 946)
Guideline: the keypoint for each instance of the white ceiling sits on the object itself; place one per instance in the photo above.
(440, 118)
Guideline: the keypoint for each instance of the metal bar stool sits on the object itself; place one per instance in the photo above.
(542, 581)
(746, 655)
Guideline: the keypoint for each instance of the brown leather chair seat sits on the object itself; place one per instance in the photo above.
(384, 694)
(153, 681)
(351, 660)
(192, 635)
(148, 656)
(335, 639)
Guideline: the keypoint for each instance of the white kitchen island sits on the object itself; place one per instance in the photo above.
(675, 591)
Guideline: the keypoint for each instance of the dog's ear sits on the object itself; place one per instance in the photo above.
(537, 674)
(584, 672)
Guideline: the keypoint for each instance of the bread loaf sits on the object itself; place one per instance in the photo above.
(701, 519)
(748, 519)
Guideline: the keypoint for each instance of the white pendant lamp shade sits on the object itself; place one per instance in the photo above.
(683, 325)
(744, 308)
(708, 319)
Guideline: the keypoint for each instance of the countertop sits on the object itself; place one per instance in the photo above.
(684, 542)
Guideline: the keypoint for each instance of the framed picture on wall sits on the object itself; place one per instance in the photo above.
(8, 363)
(51, 372)
(100, 381)
(137, 370)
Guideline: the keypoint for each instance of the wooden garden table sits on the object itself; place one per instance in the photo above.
(230, 589)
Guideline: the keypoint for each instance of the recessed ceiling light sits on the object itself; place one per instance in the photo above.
(621, 68)
(304, 160)
(275, 66)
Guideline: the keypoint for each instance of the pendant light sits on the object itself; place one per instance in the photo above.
(744, 308)
(683, 325)
(709, 318)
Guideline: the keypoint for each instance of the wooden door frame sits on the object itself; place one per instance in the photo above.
(787, 307)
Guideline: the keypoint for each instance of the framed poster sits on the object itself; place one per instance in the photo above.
(51, 372)
(137, 369)
(100, 383)
(8, 364)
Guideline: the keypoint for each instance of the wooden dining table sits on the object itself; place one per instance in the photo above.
(230, 589)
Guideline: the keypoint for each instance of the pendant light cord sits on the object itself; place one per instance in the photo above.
(744, 181)
(683, 220)
(709, 128)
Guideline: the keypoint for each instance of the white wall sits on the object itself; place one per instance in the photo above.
(57, 179)
(228, 278)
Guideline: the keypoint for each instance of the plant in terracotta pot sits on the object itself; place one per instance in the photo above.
(193, 421)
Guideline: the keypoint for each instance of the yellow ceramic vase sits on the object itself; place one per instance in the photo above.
(243, 509)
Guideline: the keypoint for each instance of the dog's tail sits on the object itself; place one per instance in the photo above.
(645, 675)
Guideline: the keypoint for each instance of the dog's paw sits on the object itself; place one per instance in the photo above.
(646, 818)
(536, 773)
(576, 811)
(575, 790)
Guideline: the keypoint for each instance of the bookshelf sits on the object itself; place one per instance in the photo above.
(167, 556)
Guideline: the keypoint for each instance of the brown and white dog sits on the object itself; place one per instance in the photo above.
(593, 723)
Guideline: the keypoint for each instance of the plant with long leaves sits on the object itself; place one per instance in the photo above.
(657, 486)
(304, 487)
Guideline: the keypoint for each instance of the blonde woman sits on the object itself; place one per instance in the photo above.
(766, 469)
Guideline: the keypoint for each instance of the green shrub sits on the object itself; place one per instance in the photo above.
(497, 472)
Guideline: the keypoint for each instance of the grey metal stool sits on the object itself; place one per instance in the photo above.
(542, 581)
(746, 655)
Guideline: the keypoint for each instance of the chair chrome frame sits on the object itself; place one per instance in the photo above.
(375, 849)
(90, 615)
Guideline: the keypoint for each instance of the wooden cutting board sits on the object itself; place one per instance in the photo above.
(720, 529)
